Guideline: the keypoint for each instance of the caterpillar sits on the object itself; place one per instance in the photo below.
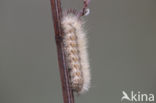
(75, 46)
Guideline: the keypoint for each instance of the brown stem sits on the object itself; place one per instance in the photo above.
(64, 74)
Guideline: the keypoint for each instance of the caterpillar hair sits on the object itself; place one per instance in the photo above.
(75, 46)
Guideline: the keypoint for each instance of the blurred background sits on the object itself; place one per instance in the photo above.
(122, 48)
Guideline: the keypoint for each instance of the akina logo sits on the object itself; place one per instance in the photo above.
(137, 97)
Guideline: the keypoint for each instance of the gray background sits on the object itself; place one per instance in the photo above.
(122, 39)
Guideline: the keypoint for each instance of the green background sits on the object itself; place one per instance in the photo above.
(122, 49)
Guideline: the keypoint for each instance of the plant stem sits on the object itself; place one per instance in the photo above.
(64, 74)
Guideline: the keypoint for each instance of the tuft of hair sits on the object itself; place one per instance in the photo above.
(75, 42)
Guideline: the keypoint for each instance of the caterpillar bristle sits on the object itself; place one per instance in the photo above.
(70, 11)
(75, 46)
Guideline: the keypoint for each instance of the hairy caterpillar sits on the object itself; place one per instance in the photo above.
(75, 42)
